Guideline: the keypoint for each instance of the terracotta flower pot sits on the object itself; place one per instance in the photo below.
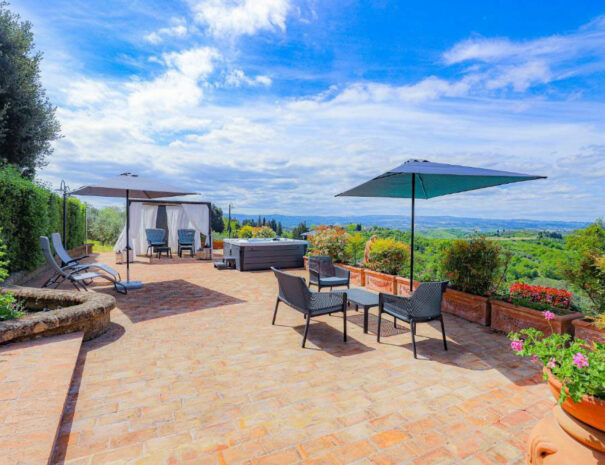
(468, 306)
(306, 260)
(586, 330)
(509, 317)
(380, 282)
(357, 274)
(218, 244)
(591, 410)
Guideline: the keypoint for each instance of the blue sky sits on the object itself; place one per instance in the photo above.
(277, 105)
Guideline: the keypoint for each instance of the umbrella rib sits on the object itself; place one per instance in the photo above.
(422, 185)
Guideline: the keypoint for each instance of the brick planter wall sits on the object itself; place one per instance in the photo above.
(402, 285)
(507, 317)
(585, 329)
(468, 306)
(357, 274)
(380, 282)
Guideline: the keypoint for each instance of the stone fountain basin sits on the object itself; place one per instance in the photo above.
(68, 312)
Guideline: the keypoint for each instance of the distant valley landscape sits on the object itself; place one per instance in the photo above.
(422, 222)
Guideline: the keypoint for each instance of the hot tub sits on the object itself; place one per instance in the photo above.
(261, 254)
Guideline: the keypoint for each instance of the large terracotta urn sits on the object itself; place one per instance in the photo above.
(573, 433)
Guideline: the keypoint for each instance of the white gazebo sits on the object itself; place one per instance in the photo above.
(143, 215)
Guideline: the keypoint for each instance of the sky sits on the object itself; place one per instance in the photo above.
(275, 106)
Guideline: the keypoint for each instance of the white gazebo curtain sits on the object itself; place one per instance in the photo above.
(184, 216)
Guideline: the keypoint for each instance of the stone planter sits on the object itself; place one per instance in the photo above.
(380, 282)
(66, 312)
(402, 285)
(585, 329)
(573, 433)
(509, 317)
(357, 274)
(468, 306)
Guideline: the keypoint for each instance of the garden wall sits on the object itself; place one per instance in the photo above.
(28, 211)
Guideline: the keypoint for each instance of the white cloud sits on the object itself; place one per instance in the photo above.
(177, 29)
(240, 17)
(194, 63)
(237, 78)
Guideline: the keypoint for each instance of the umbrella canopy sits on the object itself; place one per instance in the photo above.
(129, 186)
(424, 179)
(136, 186)
(433, 180)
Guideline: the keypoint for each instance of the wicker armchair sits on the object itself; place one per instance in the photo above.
(155, 238)
(294, 292)
(186, 241)
(422, 306)
(323, 273)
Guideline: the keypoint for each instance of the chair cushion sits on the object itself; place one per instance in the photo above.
(333, 281)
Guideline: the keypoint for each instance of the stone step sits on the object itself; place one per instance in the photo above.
(34, 383)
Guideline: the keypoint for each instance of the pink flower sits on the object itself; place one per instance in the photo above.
(549, 315)
(516, 345)
(551, 363)
(580, 360)
(534, 358)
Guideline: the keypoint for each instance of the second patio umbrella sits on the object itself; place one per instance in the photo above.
(129, 186)
(424, 179)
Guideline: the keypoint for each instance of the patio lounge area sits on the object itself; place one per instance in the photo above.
(192, 372)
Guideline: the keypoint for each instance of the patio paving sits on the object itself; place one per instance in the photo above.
(192, 372)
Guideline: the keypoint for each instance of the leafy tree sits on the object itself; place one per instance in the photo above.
(246, 232)
(297, 232)
(586, 270)
(27, 118)
(105, 225)
(273, 224)
(280, 229)
(216, 219)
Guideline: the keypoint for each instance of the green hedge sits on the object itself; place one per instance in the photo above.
(28, 211)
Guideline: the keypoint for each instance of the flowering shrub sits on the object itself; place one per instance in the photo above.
(540, 297)
(246, 232)
(472, 266)
(578, 365)
(263, 231)
(388, 256)
(331, 241)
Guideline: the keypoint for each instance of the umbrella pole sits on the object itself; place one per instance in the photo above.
(127, 239)
(412, 237)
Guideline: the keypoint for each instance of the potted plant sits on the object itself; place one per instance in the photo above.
(472, 267)
(386, 258)
(575, 369)
(524, 306)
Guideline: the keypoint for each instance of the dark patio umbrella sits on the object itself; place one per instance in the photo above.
(130, 186)
(424, 179)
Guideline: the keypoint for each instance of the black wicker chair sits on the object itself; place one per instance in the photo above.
(323, 273)
(422, 306)
(294, 292)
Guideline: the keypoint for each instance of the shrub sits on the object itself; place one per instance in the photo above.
(355, 245)
(9, 307)
(263, 231)
(579, 366)
(331, 241)
(246, 232)
(587, 268)
(388, 256)
(28, 211)
(472, 265)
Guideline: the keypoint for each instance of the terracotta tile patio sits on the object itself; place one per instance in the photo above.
(192, 372)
